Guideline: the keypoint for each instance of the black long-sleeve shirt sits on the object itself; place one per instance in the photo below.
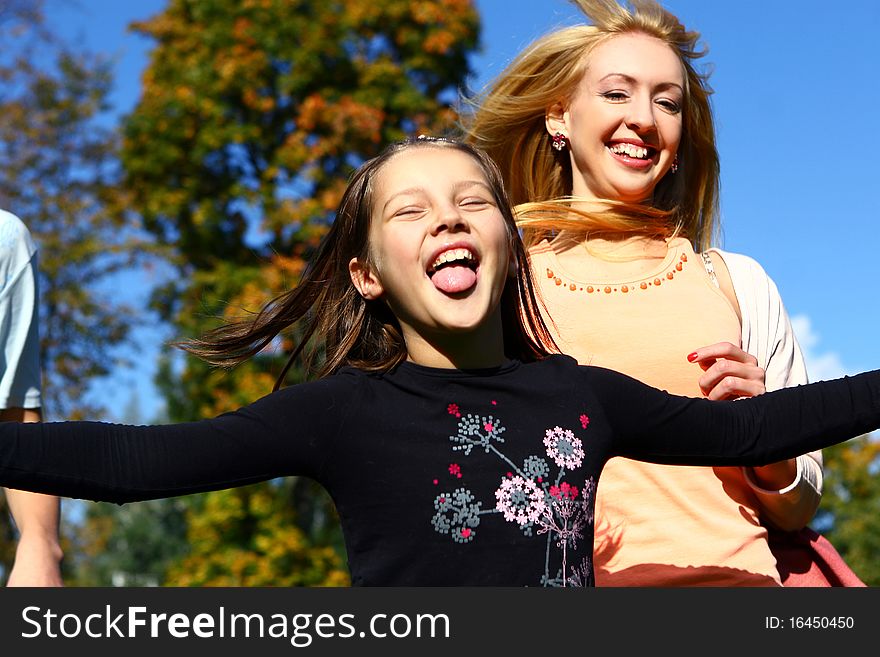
(444, 477)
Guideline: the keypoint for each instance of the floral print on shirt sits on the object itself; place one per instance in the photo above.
(534, 496)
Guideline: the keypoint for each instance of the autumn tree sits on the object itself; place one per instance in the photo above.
(253, 115)
(849, 515)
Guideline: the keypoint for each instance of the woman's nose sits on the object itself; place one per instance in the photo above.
(640, 115)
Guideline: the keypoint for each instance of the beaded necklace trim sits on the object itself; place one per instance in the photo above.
(625, 288)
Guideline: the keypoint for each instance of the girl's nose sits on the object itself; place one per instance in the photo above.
(450, 218)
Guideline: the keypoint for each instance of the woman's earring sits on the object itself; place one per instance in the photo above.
(674, 167)
(560, 141)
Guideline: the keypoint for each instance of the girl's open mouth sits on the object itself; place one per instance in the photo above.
(454, 270)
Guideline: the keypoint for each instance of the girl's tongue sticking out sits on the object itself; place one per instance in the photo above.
(456, 278)
(454, 271)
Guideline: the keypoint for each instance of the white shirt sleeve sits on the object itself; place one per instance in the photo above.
(767, 334)
(19, 331)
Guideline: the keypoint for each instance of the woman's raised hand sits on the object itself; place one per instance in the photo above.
(728, 372)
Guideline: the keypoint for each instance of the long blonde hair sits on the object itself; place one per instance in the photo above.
(508, 122)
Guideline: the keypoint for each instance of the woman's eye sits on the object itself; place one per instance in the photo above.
(615, 96)
(670, 106)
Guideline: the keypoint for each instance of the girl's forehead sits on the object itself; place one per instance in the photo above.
(424, 166)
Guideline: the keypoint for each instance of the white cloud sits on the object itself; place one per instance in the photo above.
(820, 365)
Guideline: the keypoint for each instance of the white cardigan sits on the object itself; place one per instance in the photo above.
(767, 335)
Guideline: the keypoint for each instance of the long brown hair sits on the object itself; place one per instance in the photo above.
(508, 123)
(341, 327)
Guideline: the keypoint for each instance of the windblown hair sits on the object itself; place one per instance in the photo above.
(337, 325)
(508, 123)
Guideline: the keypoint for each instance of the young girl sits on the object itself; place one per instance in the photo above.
(604, 134)
(457, 451)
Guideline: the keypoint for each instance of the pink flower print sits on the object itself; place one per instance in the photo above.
(582, 575)
(494, 403)
(436, 482)
(455, 470)
(585, 421)
(564, 519)
(520, 500)
(465, 533)
(562, 446)
(564, 491)
(488, 426)
(587, 494)
(452, 409)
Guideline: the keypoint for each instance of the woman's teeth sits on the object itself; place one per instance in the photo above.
(631, 150)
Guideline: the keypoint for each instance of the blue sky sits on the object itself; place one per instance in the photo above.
(798, 121)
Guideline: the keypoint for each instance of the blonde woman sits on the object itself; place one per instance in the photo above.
(605, 136)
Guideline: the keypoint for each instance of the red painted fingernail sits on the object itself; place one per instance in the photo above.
(692, 357)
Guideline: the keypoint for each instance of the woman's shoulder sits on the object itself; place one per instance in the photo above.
(739, 264)
(757, 294)
(748, 277)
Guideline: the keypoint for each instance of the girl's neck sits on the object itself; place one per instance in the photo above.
(480, 349)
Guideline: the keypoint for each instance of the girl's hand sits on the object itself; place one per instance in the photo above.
(728, 372)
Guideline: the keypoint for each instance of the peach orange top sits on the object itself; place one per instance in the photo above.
(658, 525)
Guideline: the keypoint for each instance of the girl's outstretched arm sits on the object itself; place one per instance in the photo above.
(284, 433)
(652, 425)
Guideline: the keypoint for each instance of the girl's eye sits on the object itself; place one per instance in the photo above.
(475, 203)
(408, 211)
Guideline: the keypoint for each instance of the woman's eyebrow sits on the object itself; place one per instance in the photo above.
(631, 80)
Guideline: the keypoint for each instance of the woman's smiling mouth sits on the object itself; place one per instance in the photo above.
(636, 156)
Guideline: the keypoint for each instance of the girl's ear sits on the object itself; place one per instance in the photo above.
(555, 119)
(364, 280)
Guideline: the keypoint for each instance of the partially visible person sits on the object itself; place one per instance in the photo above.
(38, 553)
(605, 137)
